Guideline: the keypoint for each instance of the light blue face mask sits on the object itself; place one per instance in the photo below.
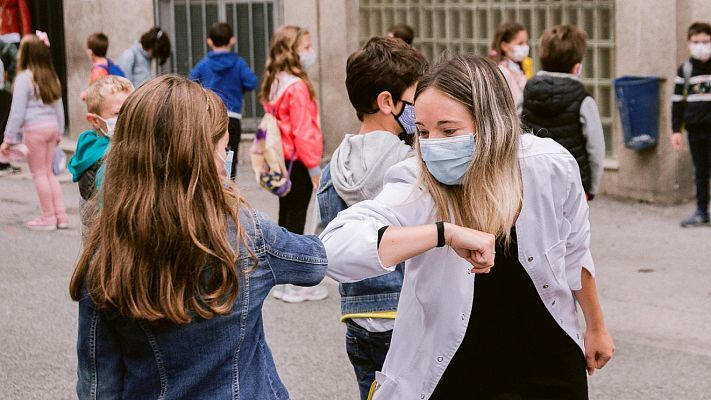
(448, 159)
(228, 163)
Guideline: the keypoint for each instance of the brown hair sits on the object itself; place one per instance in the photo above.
(98, 43)
(561, 47)
(698, 27)
(157, 44)
(505, 33)
(403, 32)
(105, 86)
(284, 57)
(220, 33)
(35, 56)
(492, 190)
(158, 249)
(383, 64)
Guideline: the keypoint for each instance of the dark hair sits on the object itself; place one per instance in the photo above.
(98, 43)
(157, 44)
(220, 33)
(698, 27)
(505, 33)
(383, 64)
(561, 47)
(35, 56)
(403, 32)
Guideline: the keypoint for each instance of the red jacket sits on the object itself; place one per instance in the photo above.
(297, 116)
(15, 17)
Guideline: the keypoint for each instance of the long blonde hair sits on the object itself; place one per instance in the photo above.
(491, 193)
(158, 249)
(35, 56)
(284, 57)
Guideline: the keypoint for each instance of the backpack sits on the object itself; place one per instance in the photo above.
(112, 69)
(267, 154)
(686, 70)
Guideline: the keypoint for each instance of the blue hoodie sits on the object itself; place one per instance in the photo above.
(228, 75)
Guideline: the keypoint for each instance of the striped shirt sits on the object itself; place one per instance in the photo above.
(692, 109)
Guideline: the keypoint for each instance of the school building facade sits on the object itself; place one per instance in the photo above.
(626, 37)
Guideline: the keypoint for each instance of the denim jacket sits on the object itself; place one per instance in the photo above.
(225, 357)
(381, 293)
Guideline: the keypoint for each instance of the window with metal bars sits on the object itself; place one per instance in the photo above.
(253, 23)
(469, 25)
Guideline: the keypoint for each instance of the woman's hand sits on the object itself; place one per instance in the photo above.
(474, 246)
(598, 349)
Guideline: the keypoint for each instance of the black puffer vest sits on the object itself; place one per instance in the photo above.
(551, 108)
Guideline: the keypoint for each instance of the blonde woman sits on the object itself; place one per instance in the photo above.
(512, 332)
(287, 92)
(177, 266)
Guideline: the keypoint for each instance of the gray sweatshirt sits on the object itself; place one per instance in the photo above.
(136, 64)
(27, 107)
(359, 164)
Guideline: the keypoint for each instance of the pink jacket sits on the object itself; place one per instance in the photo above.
(297, 117)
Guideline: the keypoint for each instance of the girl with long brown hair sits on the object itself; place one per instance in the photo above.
(177, 266)
(288, 94)
(508, 327)
(37, 120)
(510, 50)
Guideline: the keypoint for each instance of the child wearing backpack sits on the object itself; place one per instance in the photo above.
(96, 47)
(104, 99)
(228, 75)
(557, 106)
(37, 121)
(691, 108)
(380, 79)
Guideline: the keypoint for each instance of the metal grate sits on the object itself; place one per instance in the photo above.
(469, 25)
(252, 21)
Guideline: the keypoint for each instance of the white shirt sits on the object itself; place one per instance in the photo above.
(553, 234)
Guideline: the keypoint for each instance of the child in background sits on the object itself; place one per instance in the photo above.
(103, 101)
(96, 47)
(403, 32)
(136, 60)
(288, 94)
(691, 107)
(228, 75)
(38, 112)
(510, 51)
(380, 79)
(556, 104)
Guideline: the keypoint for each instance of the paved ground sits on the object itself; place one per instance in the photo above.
(653, 277)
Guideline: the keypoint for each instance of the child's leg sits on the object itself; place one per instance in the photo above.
(40, 163)
(55, 188)
(700, 146)
(366, 352)
(235, 131)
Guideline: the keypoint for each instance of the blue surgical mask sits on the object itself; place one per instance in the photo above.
(228, 163)
(448, 158)
(406, 118)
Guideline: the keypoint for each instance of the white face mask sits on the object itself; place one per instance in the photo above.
(307, 59)
(110, 126)
(700, 51)
(520, 51)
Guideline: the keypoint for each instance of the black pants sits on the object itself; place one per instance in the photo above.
(293, 206)
(700, 145)
(235, 131)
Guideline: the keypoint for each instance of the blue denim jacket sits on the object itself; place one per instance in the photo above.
(381, 293)
(225, 357)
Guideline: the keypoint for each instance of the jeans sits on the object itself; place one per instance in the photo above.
(700, 146)
(234, 128)
(367, 351)
(41, 143)
(293, 206)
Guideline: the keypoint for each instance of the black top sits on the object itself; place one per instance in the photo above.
(694, 115)
(513, 348)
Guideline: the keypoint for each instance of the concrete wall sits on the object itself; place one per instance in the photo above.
(651, 40)
(334, 28)
(81, 19)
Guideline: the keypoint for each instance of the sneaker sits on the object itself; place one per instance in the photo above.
(42, 224)
(297, 294)
(697, 219)
(63, 223)
(278, 291)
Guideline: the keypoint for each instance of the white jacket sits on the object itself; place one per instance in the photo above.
(553, 234)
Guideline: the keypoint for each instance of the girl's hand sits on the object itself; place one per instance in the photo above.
(4, 148)
(598, 349)
(474, 246)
